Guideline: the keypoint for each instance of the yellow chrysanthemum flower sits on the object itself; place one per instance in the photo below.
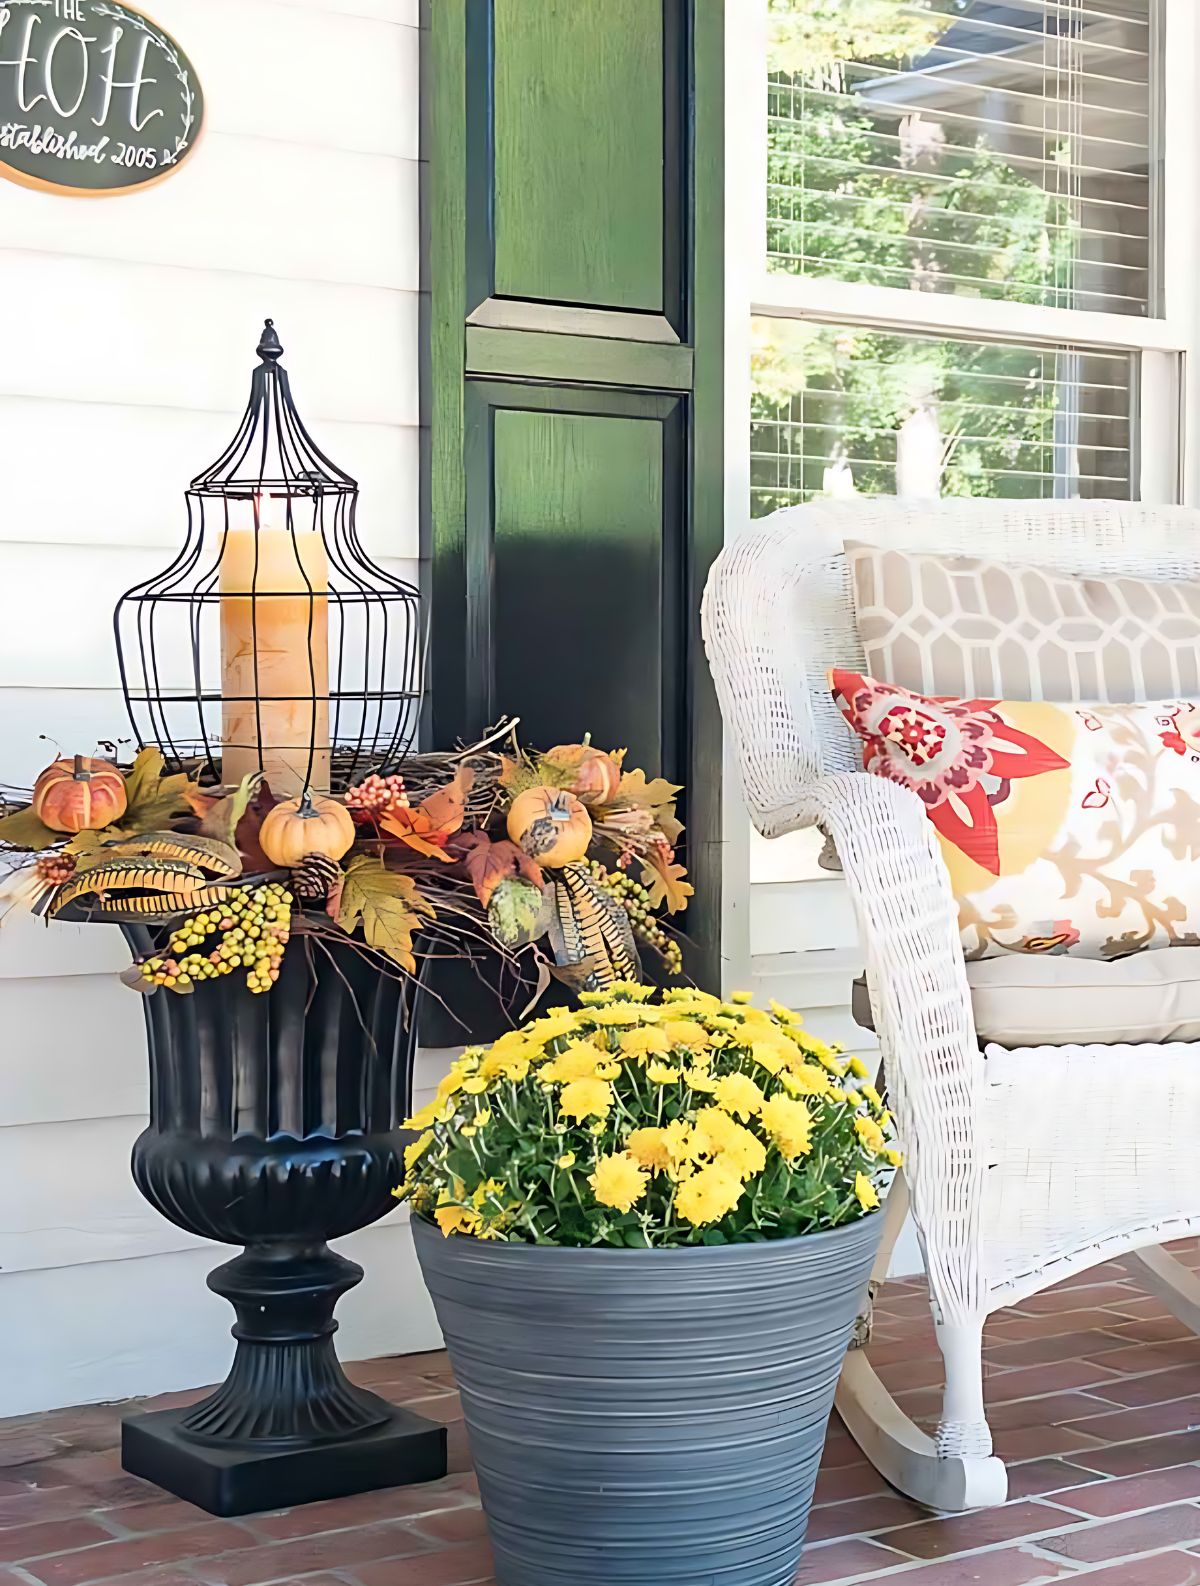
(563, 1021)
(617, 1014)
(871, 1135)
(566, 1160)
(685, 1144)
(490, 1189)
(742, 1151)
(619, 1181)
(662, 1073)
(789, 1125)
(435, 1111)
(510, 1063)
(578, 1060)
(893, 1157)
(784, 1015)
(738, 998)
(475, 1085)
(738, 1094)
(685, 1032)
(651, 1148)
(699, 1079)
(586, 1098)
(458, 1220)
(414, 1152)
(638, 1043)
(828, 1062)
(865, 1191)
(806, 1080)
(834, 1094)
(767, 1056)
(859, 1069)
(710, 1194)
(872, 1095)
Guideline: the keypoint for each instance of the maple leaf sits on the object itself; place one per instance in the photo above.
(387, 904)
(489, 863)
(665, 879)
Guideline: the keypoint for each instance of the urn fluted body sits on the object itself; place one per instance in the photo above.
(274, 1125)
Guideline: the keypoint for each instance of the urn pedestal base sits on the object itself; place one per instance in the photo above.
(275, 1126)
(231, 1480)
(286, 1426)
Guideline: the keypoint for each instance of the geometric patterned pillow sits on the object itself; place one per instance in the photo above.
(1065, 828)
(960, 625)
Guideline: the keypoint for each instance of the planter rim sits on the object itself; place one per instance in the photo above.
(744, 1250)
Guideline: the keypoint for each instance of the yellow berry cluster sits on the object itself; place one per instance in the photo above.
(635, 900)
(251, 929)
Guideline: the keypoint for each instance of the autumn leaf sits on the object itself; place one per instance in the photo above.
(665, 879)
(488, 863)
(652, 795)
(22, 829)
(221, 814)
(153, 799)
(387, 904)
(428, 828)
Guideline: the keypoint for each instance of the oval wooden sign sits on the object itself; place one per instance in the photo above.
(95, 99)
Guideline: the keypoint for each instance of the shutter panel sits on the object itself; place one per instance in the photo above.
(574, 343)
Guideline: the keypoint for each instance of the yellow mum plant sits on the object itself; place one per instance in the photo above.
(639, 1121)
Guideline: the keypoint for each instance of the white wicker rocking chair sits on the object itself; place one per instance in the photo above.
(1023, 1167)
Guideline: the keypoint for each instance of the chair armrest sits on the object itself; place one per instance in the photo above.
(908, 923)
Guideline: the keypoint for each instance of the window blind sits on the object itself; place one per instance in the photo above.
(840, 411)
(995, 148)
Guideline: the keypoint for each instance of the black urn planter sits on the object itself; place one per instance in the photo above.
(274, 1125)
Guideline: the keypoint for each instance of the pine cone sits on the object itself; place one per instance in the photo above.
(55, 869)
(315, 877)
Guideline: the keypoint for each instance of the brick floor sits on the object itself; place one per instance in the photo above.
(1095, 1396)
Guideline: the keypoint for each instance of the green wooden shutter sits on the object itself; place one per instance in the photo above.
(574, 220)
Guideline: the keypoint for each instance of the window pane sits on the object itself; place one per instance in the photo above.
(841, 411)
(993, 148)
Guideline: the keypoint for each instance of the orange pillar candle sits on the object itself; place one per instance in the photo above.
(275, 649)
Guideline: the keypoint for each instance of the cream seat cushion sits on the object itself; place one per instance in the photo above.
(1031, 999)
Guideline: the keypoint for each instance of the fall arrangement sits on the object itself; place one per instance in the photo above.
(563, 858)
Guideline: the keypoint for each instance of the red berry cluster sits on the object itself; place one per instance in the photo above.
(378, 795)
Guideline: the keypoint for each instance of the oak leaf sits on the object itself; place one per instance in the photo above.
(387, 904)
(665, 880)
(654, 794)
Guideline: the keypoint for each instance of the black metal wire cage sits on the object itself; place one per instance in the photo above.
(273, 642)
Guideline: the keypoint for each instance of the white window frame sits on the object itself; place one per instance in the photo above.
(1166, 450)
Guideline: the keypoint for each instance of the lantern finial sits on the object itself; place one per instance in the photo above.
(270, 348)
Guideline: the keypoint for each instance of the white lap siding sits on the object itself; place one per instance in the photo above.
(127, 347)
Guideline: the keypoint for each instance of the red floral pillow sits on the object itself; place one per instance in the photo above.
(1064, 827)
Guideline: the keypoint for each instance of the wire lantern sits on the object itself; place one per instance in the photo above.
(273, 642)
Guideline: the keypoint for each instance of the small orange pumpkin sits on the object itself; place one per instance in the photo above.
(596, 776)
(303, 826)
(550, 825)
(79, 795)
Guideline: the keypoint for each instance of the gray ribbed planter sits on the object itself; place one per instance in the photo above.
(648, 1417)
